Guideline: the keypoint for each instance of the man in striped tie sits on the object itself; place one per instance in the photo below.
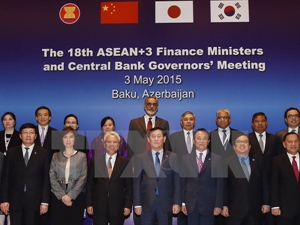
(202, 182)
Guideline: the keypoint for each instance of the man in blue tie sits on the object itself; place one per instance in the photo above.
(246, 189)
(202, 182)
(156, 184)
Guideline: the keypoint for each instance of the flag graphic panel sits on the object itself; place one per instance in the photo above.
(174, 12)
(229, 11)
(119, 12)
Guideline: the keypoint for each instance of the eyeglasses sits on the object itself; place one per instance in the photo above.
(240, 142)
(291, 116)
(111, 142)
(151, 104)
(28, 133)
(223, 117)
(69, 122)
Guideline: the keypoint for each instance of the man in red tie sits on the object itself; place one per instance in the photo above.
(285, 183)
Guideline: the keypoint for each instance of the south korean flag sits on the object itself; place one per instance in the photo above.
(229, 11)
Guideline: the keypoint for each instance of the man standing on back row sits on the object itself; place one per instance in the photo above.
(182, 144)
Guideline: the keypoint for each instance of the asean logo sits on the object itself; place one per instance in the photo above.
(69, 13)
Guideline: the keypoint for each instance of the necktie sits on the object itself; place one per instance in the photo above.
(109, 167)
(261, 143)
(149, 126)
(295, 168)
(43, 135)
(293, 131)
(245, 169)
(225, 142)
(199, 161)
(26, 156)
(188, 142)
(157, 169)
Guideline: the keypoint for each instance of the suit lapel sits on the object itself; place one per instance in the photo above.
(206, 161)
(150, 162)
(141, 121)
(193, 161)
(33, 157)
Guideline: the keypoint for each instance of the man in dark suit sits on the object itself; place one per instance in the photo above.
(109, 184)
(223, 138)
(1, 165)
(221, 142)
(285, 183)
(182, 144)
(138, 127)
(48, 137)
(264, 145)
(25, 188)
(156, 183)
(137, 133)
(246, 189)
(292, 120)
(202, 182)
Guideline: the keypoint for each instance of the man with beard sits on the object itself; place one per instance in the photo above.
(138, 128)
(137, 133)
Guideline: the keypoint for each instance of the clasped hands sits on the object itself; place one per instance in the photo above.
(67, 200)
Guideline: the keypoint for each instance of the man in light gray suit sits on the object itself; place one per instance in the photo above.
(292, 120)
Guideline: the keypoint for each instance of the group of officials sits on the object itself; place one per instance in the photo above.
(219, 178)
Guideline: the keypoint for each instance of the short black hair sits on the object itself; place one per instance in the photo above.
(9, 113)
(259, 114)
(154, 129)
(71, 115)
(27, 125)
(43, 107)
(287, 134)
(103, 121)
(200, 129)
(289, 109)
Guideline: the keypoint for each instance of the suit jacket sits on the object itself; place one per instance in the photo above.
(273, 147)
(205, 189)
(284, 132)
(217, 147)
(14, 141)
(52, 141)
(114, 192)
(137, 137)
(146, 181)
(242, 196)
(35, 176)
(1, 165)
(285, 191)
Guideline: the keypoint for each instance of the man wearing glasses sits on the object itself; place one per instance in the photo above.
(222, 139)
(246, 189)
(292, 120)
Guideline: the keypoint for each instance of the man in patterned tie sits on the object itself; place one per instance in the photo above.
(202, 182)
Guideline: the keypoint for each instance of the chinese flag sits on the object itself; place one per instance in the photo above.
(119, 12)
